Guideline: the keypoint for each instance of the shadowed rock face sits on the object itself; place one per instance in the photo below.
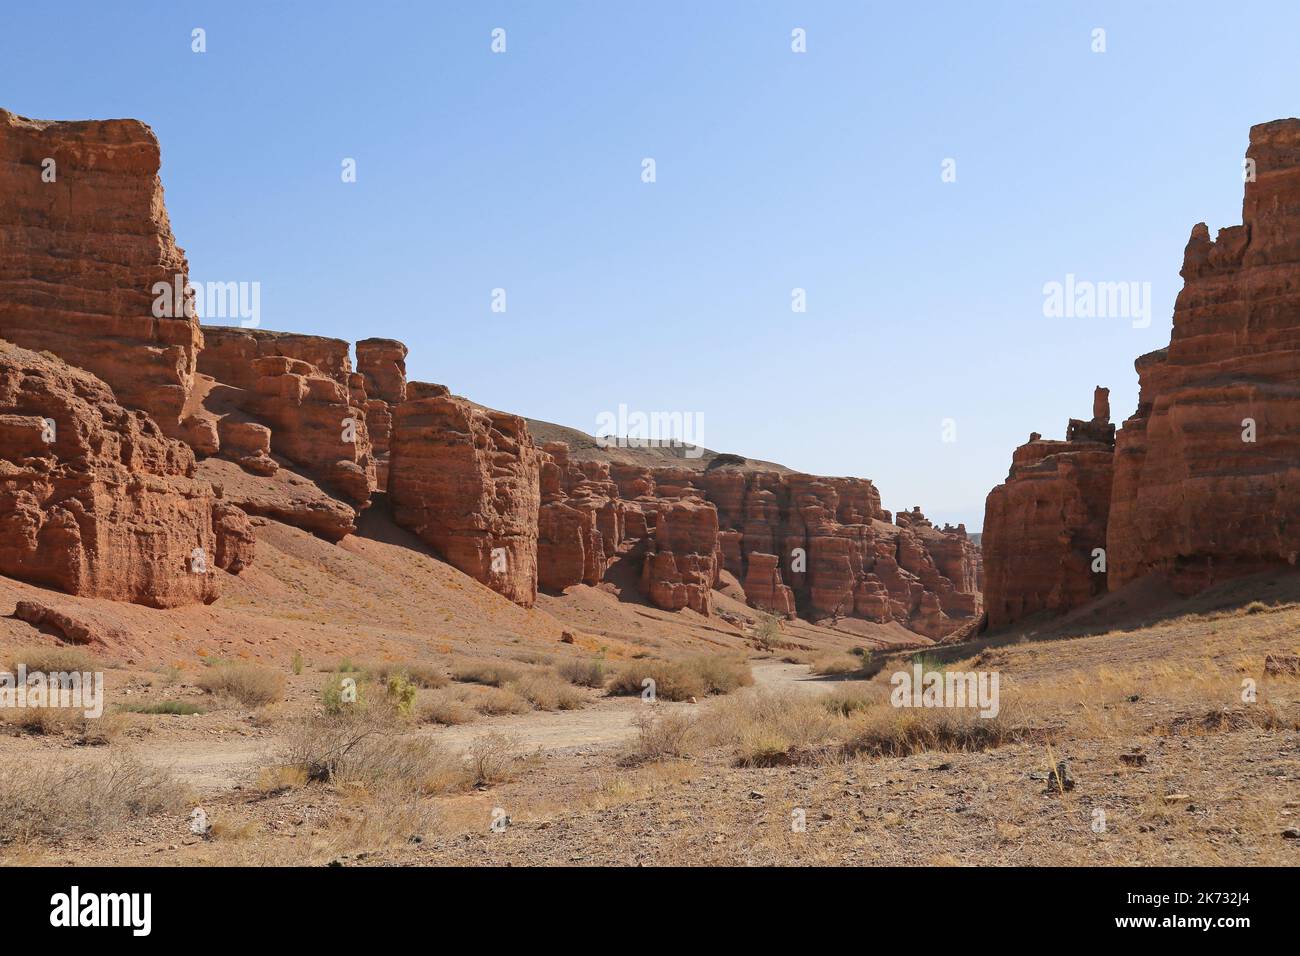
(1044, 524)
(80, 257)
(1192, 499)
(96, 501)
(382, 364)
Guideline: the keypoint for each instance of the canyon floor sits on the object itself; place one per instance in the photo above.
(1169, 759)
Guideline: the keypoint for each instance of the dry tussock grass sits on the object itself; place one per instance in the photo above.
(583, 673)
(39, 801)
(660, 735)
(70, 722)
(54, 660)
(425, 674)
(249, 684)
(682, 680)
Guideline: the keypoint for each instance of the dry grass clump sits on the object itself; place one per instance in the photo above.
(54, 659)
(847, 700)
(683, 680)
(489, 701)
(835, 665)
(361, 750)
(720, 674)
(547, 692)
(247, 683)
(584, 673)
(672, 681)
(887, 731)
(768, 728)
(490, 673)
(491, 760)
(69, 722)
(444, 707)
(660, 735)
(426, 674)
(859, 665)
(40, 801)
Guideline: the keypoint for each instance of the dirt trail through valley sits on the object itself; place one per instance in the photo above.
(220, 764)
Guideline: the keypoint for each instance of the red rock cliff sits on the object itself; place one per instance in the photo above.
(1044, 524)
(83, 242)
(94, 500)
(1207, 471)
(1204, 482)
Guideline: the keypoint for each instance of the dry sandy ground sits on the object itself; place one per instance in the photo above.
(1216, 779)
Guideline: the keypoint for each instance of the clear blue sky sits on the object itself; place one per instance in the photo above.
(775, 170)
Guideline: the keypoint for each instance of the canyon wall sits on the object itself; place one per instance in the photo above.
(96, 501)
(279, 425)
(84, 239)
(1044, 526)
(1206, 472)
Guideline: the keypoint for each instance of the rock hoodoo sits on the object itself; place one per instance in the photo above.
(1045, 524)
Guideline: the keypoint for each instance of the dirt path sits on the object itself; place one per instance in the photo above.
(220, 764)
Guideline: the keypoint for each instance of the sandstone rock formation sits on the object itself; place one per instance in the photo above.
(581, 523)
(1204, 481)
(94, 500)
(285, 429)
(1207, 471)
(85, 242)
(1045, 524)
(382, 364)
(466, 480)
(303, 389)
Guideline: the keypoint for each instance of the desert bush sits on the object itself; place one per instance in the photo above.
(835, 665)
(182, 707)
(296, 665)
(583, 673)
(339, 687)
(770, 727)
(360, 749)
(491, 673)
(547, 692)
(399, 693)
(493, 701)
(767, 632)
(886, 731)
(40, 721)
(845, 701)
(672, 681)
(247, 683)
(660, 735)
(425, 674)
(491, 760)
(446, 709)
(63, 722)
(720, 674)
(45, 802)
